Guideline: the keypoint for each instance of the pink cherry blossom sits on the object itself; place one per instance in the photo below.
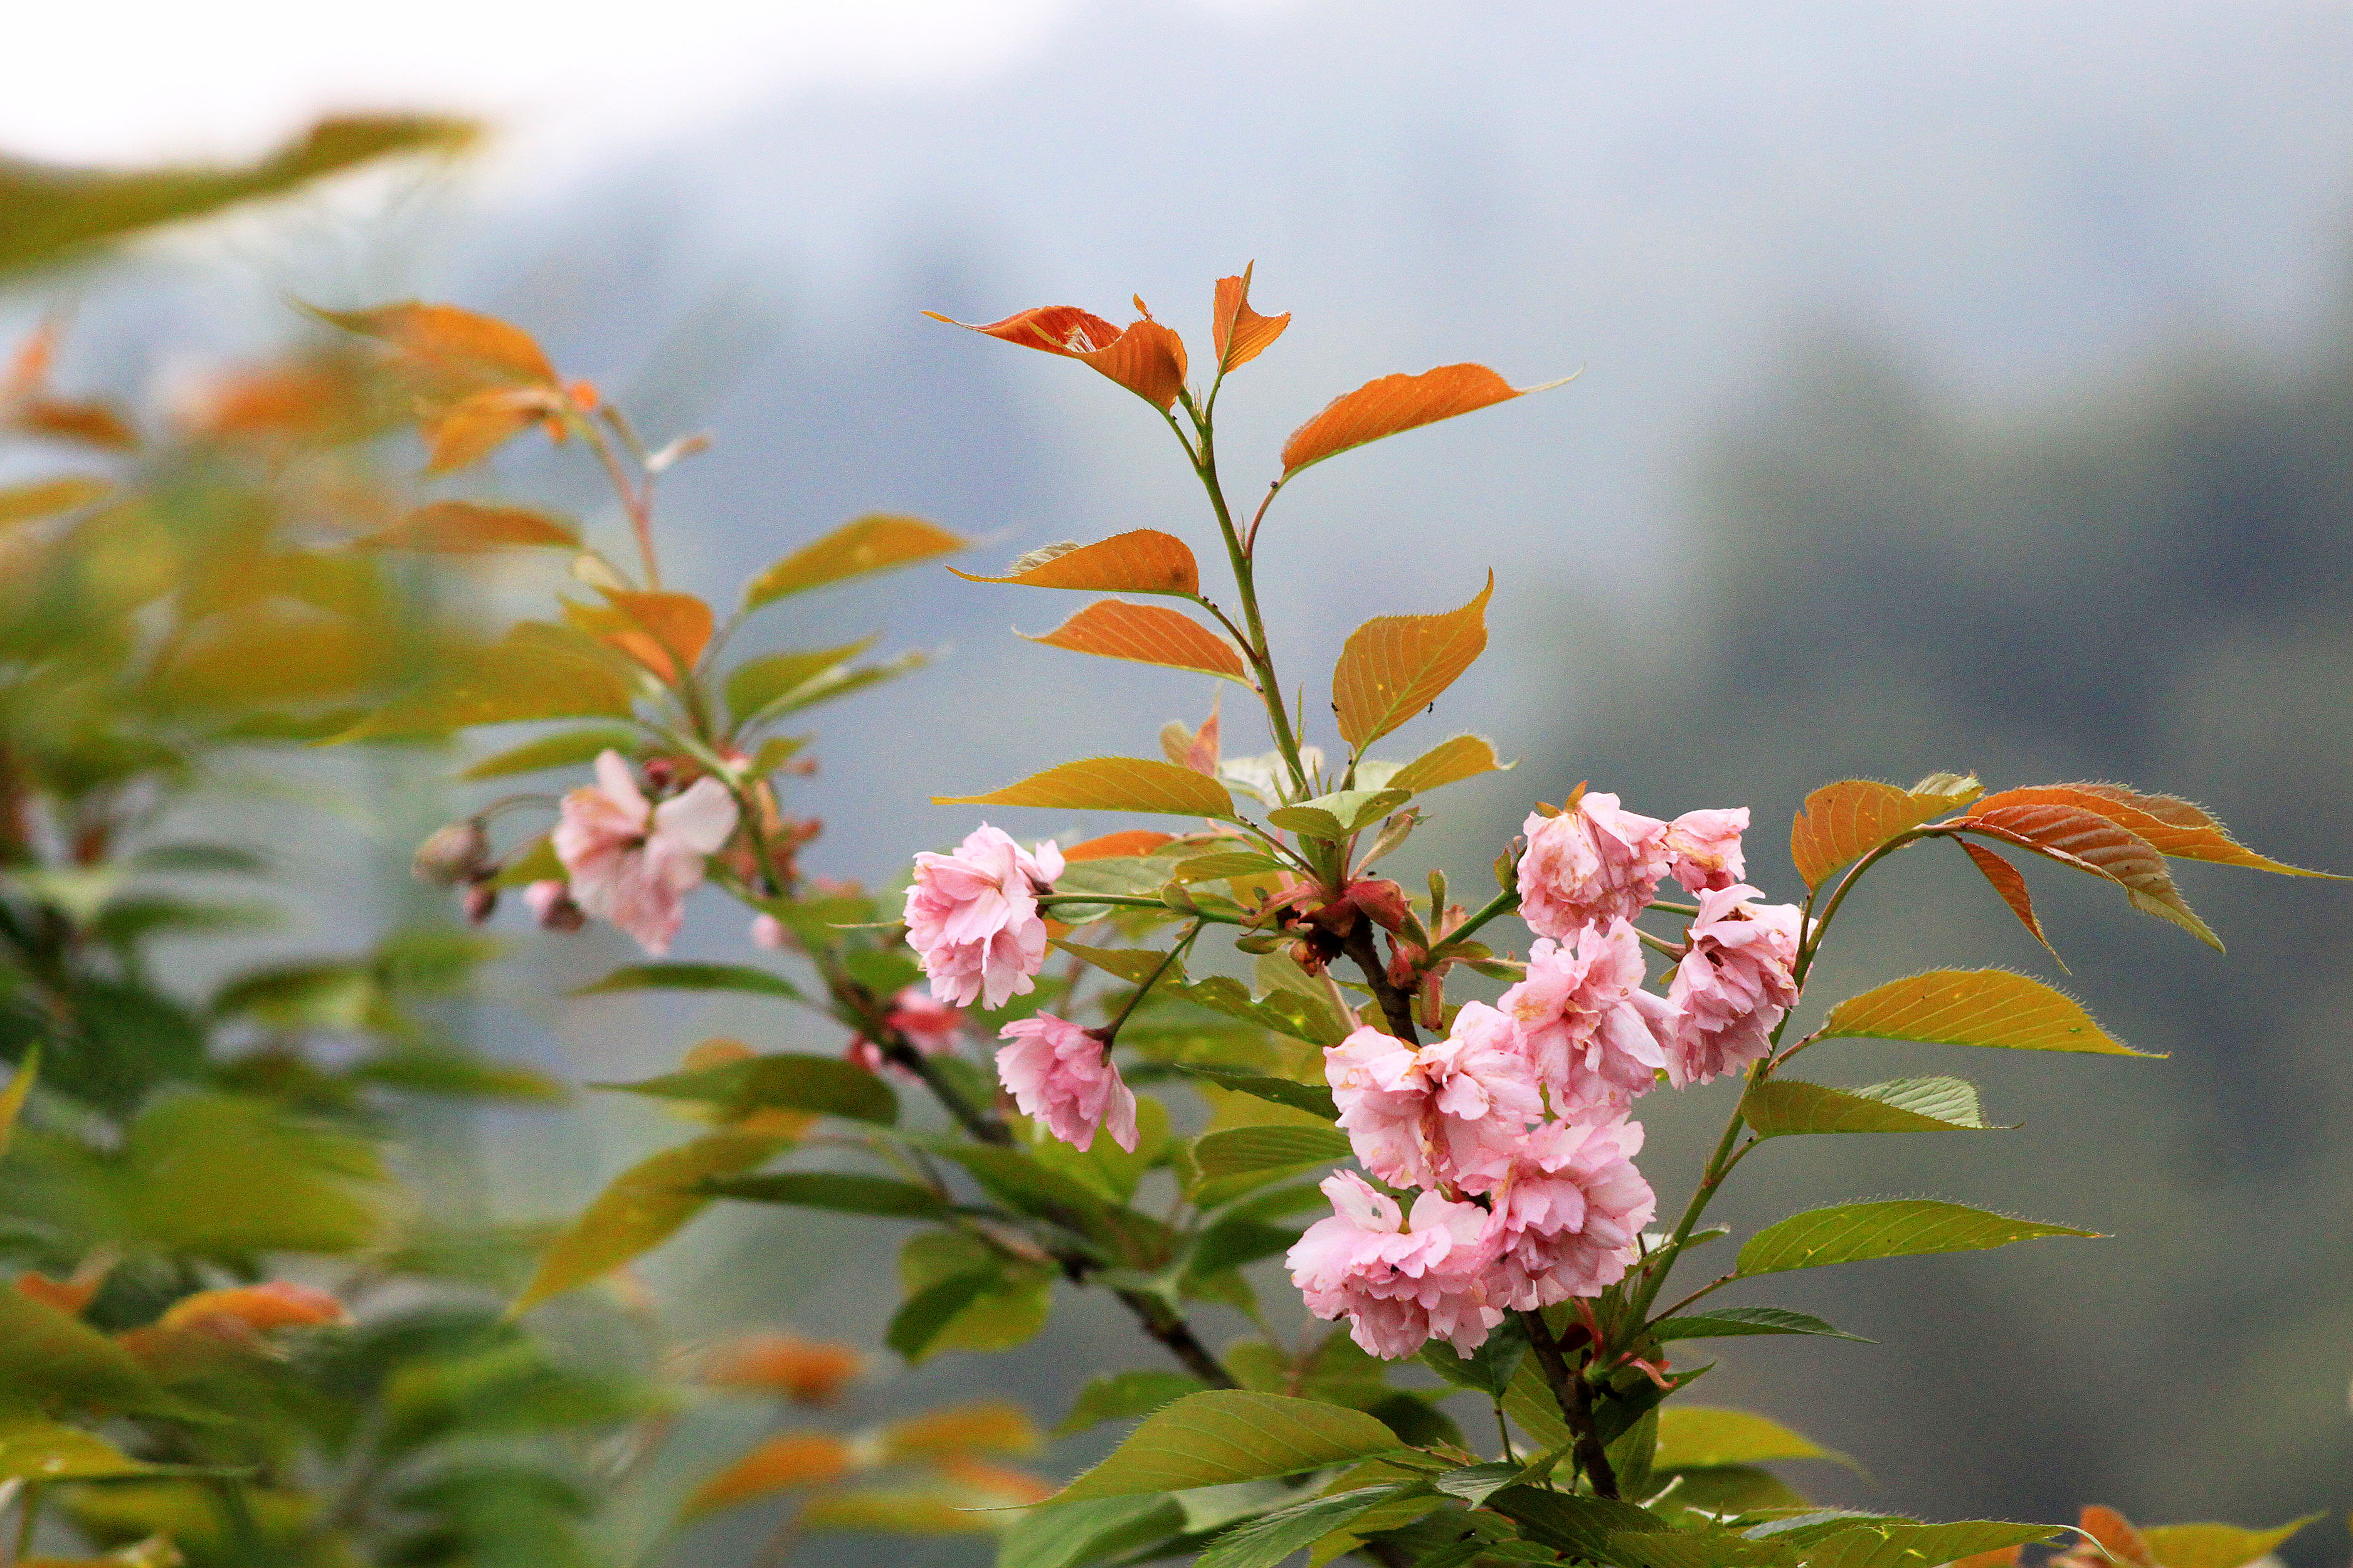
(1566, 1216)
(973, 916)
(1733, 985)
(930, 1025)
(863, 1052)
(1704, 848)
(1448, 1113)
(770, 933)
(1061, 1075)
(632, 862)
(1589, 866)
(1594, 1035)
(1401, 1281)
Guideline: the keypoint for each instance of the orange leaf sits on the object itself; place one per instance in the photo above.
(1392, 667)
(680, 623)
(1241, 333)
(254, 1309)
(785, 1461)
(478, 424)
(2089, 841)
(461, 350)
(1111, 783)
(464, 527)
(2115, 1532)
(1449, 761)
(1110, 845)
(810, 1371)
(1141, 561)
(875, 543)
(91, 424)
(985, 1427)
(2178, 827)
(1145, 357)
(1395, 402)
(1147, 634)
(1848, 819)
(2011, 884)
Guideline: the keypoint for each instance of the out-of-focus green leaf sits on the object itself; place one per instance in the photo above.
(2217, 1545)
(642, 1207)
(1117, 1396)
(536, 672)
(47, 1355)
(1694, 1437)
(826, 1086)
(1225, 1435)
(875, 543)
(693, 977)
(1848, 1233)
(33, 1447)
(1076, 1534)
(963, 1295)
(570, 748)
(1104, 1168)
(841, 1191)
(53, 214)
(225, 1176)
(537, 863)
(12, 1099)
(459, 1074)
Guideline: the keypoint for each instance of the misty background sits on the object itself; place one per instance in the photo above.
(1962, 388)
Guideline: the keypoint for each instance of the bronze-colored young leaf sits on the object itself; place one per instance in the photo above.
(460, 434)
(50, 497)
(1225, 1434)
(1847, 820)
(1126, 843)
(535, 671)
(1905, 1227)
(2074, 835)
(876, 543)
(1145, 357)
(1111, 783)
(2176, 827)
(1989, 1008)
(642, 1207)
(464, 527)
(1449, 761)
(1239, 333)
(2010, 885)
(788, 1461)
(1393, 667)
(49, 214)
(452, 351)
(679, 624)
(1142, 561)
(1396, 402)
(1148, 633)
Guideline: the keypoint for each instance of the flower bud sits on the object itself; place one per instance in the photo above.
(550, 905)
(480, 900)
(459, 852)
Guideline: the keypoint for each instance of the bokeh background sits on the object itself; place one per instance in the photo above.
(1962, 388)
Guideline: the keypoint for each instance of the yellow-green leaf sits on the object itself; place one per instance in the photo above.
(1148, 633)
(569, 748)
(48, 498)
(1393, 667)
(1111, 783)
(1449, 761)
(643, 1206)
(756, 682)
(33, 1447)
(467, 528)
(536, 672)
(48, 1355)
(1906, 1227)
(1989, 1008)
(875, 543)
(12, 1099)
(2217, 1545)
(1142, 560)
(1225, 1435)
(1779, 1106)
(1847, 820)
(1700, 1436)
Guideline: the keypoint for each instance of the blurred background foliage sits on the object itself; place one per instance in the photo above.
(1960, 393)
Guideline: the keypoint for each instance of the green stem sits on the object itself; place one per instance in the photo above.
(1502, 903)
(1167, 961)
(1719, 1165)
(1131, 902)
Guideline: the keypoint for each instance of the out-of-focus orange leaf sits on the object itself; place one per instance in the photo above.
(2176, 827)
(1394, 402)
(679, 624)
(1142, 560)
(1148, 633)
(2090, 841)
(68, 1296)
(453, 350)
(986, 1426)
(1145, 357)
(1241, 333)
(1847, 820)
(464, 527)
(535, 671)
(2115, 1532)
(272, 652)
(50, 497)
(2011, 884)
(243, 1310)
(1112, 845)
(784, 1462)
(1392, 667)
(91, 424)
(1111, 783)
(810, 1371)
(872, 543)
(475, 426)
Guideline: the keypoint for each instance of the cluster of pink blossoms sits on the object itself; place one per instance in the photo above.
(1516, 1126)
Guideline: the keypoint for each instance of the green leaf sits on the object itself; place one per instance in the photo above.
(1104, 1169)
(50, 1356)
(920, 1320)
(1267, 1539)
(756, 682)
(1919, 1545)
(1733, 1490)
(536, 863)
(536, 672)
(692, 977)
(49, 498)
(1334, 817)
(837, 1191)
(460, 1074)
(1449, 761)
(1134, 965)
(1489, 1369)
(1239, 1148)
(1117, 1396)
(33, 1447)
(1529, 1402)
(1582, 1525)
(1903, 1227)
(12, 1099)
(2217, 1545)
(876, 543)
(1393, 667)
(1309, 1097)
(1075, 1534)
(786, 1080)
(1011, 1304)
(1696, 1436)
(1021, 1182)
(1781, 1106)
(1972, 1007)
(567, 749)
(1112, 783)
(1289, 1012)
(225, 1176)
(642, 1207)
(1727, 1321)
(1224, 1436)
(1219, 867)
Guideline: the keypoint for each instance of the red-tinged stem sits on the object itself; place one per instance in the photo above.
(638, 505)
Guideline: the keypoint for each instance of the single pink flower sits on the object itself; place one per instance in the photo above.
(632, 862)
(1448, 1114)
(1061, 1075)
(1589, 866)
(1566, 1216)
(1704, 848)
(1733, 985)
(1594, 1035)
(973, 916)
(1400, 1281)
